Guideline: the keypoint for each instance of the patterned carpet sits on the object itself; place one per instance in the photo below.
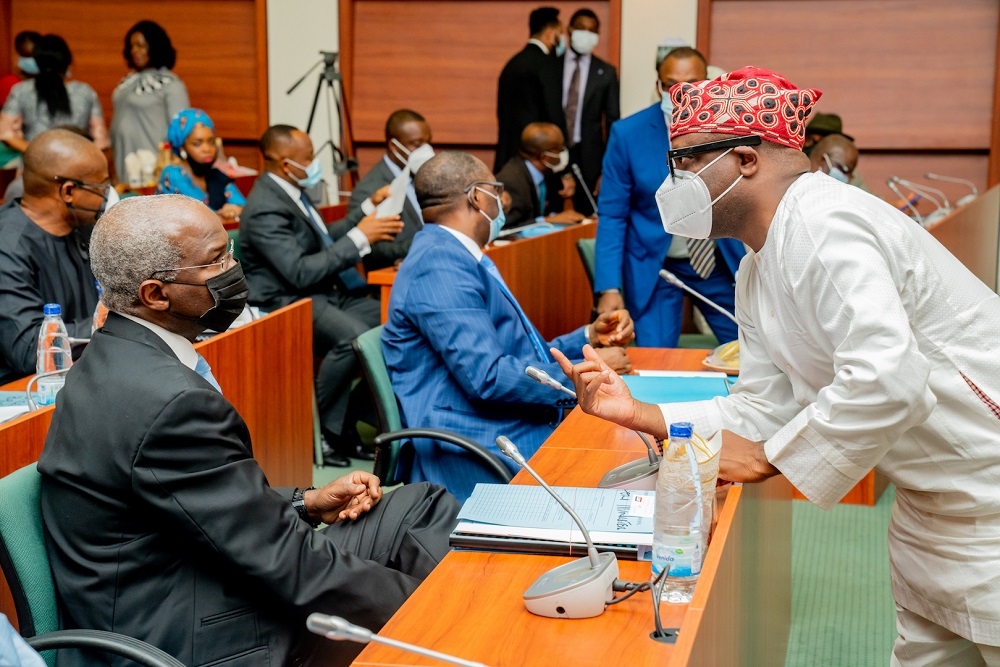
(842, 609)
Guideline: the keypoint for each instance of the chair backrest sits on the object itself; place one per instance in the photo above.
(23, 558)
(588, 250)
(368, 349)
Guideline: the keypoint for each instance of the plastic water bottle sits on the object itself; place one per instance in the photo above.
(53, 354)
(678, 533)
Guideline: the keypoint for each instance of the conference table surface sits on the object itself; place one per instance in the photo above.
(471, 607)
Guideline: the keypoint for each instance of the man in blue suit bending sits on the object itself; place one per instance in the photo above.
(631, 244)
(457, 342)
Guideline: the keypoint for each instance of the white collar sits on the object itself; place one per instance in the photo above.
(178, 344)
(294, 191)
(469, 244)
(540, 45)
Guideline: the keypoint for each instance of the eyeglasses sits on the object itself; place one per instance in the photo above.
(224, 264)
(675, 154)
(495, 184)
(99, 189)
(832, 163)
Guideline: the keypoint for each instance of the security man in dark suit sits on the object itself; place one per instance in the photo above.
(159, 522)
(532, 179)
(290, 254)
(406, 135)
(528, 90)
(590, 101)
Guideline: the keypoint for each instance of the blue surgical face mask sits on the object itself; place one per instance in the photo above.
(27, 65)
(665, 104)
(835, 171)
(314, 173)
(560, 47)
(497, 223)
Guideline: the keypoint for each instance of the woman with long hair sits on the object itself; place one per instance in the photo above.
(149, 96)
(51, 99)
(192, 138)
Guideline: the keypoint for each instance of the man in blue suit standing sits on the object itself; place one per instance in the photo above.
(457, 342)
(631, 244)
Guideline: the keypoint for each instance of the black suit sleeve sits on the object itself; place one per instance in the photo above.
(196, 478)
(272, 235)
(612, 104)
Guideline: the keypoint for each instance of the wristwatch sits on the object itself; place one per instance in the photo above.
(299, 503)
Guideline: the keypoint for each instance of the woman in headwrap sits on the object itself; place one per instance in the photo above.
(192, 138)
(149, 96)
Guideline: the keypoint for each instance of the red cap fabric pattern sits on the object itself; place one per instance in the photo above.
(750, 100)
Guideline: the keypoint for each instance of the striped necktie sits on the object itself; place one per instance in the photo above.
(536, 338)
(572, 100)
(702, 254)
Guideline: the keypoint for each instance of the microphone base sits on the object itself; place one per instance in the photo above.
(573, 590)
(636, 475)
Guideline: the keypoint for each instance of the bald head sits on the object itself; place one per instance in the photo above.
(539, 138)
(61, 154)
(841, 151)
(140, 236)
(441, 182)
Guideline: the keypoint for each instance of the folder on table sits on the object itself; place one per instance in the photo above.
(676, 386)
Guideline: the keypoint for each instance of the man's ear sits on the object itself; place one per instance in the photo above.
(66, 191)
(152, 296)
(749, 160)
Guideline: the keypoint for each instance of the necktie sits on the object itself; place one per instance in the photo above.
(572, 101)
(350, 277)
(702, 255)
(203, 369)
(543, 197)
(536, 339)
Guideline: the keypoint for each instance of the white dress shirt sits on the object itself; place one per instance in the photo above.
(861, 338)
(569, 64)
(355, 234)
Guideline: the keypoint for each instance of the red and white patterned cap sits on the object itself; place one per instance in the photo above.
(750, 100)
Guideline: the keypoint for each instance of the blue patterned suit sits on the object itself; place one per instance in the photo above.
(631, 243)
(456, 348)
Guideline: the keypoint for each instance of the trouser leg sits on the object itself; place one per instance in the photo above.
(923, 643)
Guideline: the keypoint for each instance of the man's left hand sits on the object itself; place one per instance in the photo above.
(743, 460)
(614, 328)
(346, 498)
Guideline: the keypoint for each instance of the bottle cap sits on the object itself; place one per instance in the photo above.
(51, 309)
(681, 430)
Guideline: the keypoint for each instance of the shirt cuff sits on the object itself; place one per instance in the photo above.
(360, 240)
(367, 207)
(703, 415)
(613, 290)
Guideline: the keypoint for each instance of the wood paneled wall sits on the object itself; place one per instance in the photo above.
(221, 52)
(441, 58)
(915, 81)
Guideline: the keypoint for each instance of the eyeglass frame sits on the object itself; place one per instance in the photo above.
(223, 264)
(86, 186)
(834, 162)
(708, 147)
(496, 184)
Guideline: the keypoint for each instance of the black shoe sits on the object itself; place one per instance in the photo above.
(349, 445)
(359, 451)
(332, 458)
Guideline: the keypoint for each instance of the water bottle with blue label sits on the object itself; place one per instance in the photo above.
(54, 354)
(678, 539)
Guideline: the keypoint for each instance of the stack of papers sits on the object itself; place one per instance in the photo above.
(526, 519)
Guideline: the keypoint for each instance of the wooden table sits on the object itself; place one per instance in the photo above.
(264, 369)
(471, 606)
(544, 274)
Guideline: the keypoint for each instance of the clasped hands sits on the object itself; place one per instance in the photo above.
(602, 393)
(346, 498)
(610, 333)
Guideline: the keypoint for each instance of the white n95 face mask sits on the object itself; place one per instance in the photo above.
(583, 41)
(685, 203)
(562, 157)
(419, 157)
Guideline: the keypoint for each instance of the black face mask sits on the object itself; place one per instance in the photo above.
(201, 169)
(230, 291)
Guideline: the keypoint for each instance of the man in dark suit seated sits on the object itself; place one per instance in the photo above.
(43, 244)
(290, 254)
(407, 147)
(457, 341)
(590, 103)
(536, 192)
(160, 524)
(528, 88)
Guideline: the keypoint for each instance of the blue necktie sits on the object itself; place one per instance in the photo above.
(542, 197)
(536, 339)
(203, 369)
(351, 278)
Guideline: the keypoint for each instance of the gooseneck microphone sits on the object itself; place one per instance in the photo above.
(542, 377)
(906, 201)
(586, 188)
(925, 191)
(951, 179)
(677, 282)
(336, 628)
(578, 589)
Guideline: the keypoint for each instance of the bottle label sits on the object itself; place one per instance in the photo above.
(681, 554)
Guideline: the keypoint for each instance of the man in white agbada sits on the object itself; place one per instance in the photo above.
(863, 344)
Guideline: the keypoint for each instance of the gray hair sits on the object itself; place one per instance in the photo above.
(131, 242)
